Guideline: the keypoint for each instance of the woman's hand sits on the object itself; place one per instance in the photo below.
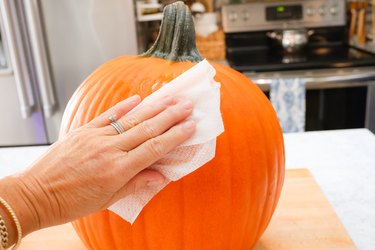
(94, 166)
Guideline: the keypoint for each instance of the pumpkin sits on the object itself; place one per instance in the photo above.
(228, 202)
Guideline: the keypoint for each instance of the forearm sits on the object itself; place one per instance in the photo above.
(14, 192)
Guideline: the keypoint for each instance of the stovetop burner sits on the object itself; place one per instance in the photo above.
(248, 48)
(264, 59)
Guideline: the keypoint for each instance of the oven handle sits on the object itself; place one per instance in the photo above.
(40, 57)
(360, 79)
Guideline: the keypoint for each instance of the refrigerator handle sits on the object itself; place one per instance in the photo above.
(40, 57)
(24, 88)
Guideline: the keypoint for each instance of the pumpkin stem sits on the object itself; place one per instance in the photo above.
(176, 39)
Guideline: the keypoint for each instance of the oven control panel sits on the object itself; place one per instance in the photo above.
(259, 16)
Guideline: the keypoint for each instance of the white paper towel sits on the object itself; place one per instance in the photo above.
(196, 84)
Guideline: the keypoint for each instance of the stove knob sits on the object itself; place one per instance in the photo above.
(334, 10)
(310, 11)
(322, 10)
(233, 16)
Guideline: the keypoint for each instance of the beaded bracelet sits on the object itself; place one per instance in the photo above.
(16, 222)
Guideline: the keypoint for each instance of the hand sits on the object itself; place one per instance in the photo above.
(94, 166)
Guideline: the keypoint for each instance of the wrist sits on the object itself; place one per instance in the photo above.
(17, 195)
(10, 217)
(11, 234)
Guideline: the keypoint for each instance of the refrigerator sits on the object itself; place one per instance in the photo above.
(47, 48)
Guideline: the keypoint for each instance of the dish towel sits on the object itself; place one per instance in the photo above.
(288, 97)
(196, 84)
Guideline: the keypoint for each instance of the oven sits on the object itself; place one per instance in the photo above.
(339, 78)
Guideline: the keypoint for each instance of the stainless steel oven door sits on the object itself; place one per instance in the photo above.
(328, 79)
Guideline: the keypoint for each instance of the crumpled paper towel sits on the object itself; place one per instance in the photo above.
(196, 84)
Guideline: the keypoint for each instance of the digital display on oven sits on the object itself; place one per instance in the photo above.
(284, 12)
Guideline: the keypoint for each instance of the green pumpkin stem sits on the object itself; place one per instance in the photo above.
(176, 39)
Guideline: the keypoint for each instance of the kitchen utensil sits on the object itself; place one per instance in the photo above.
(292, 40)
(361, 28)
(353, 19)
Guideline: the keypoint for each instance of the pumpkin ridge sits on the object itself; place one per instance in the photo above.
(224, 77)
(279, 153)
(264, 217)
(267, 207)
(81, 231)
(78, 97)
(88, 97)
(92, 110)
(108, 89)
(263, 208)
(89, 230)
(101, 86)
(114, 241)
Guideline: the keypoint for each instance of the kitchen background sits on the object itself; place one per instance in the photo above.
(48, 47)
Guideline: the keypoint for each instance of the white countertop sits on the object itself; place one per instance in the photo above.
(342, 162)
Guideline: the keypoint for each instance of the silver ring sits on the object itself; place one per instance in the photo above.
(116, 125)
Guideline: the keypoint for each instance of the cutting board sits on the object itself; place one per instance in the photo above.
(304, 220)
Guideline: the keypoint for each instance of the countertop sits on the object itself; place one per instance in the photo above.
(342, 162)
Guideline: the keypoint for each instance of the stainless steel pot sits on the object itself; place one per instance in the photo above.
(292, 40)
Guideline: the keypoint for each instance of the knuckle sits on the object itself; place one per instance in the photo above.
(105, 146)
(156, 147)
(174, 112)
(147, 129)
(76, 136)
(161, 104)
(129, 122)
(102, 150)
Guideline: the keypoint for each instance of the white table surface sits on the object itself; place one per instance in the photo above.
(342, 162)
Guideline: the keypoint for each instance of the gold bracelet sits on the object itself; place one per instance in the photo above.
(16, 222)
(3, 234)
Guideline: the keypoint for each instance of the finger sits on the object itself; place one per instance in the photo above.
(145, 179)
(119, 110)
(155, 126)
(147, 112)
(152, 150)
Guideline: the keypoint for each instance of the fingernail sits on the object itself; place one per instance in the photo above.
(187, 104)
(154, 183)
(188, 125)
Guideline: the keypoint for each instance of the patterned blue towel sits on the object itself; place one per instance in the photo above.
(288, 97)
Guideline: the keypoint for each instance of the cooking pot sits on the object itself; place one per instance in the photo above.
(292, 40)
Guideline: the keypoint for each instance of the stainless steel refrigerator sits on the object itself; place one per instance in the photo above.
(47, 48)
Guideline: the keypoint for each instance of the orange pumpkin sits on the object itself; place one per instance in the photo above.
(228, 202)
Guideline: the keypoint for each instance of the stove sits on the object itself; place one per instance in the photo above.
(319, 53)
(249, 49)
(340, 79)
